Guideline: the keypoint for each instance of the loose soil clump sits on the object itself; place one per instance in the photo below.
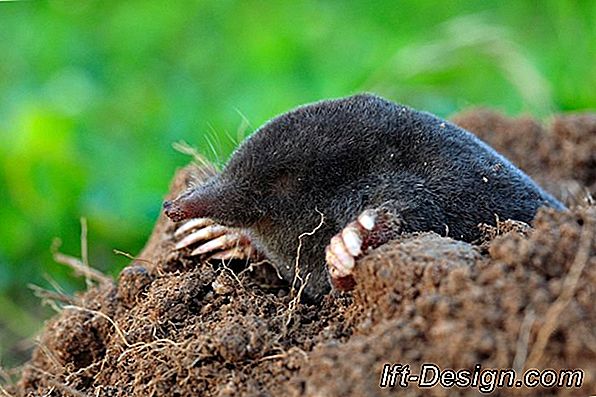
(522, 298)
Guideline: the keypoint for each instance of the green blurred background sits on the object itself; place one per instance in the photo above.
(94, 93)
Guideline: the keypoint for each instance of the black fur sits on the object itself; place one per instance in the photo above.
(340, 157)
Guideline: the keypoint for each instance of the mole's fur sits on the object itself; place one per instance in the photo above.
(341, 157)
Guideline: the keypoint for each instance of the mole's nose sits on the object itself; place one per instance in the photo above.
(173, 210)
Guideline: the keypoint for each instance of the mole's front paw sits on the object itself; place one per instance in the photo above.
(213, 240)
(371, 229)
(345, 247)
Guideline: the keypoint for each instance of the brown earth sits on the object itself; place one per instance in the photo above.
(170, 326)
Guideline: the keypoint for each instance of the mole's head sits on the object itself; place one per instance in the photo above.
(228, 202)
(294, 163)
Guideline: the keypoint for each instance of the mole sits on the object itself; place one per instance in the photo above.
(314, 189)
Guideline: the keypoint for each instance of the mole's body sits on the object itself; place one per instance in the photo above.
(411, 170)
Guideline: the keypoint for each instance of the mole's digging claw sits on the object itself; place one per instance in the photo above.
(192, 224)
(237, 252)
(206, 233)
(217, 242)
(225, 241)
(350, 244)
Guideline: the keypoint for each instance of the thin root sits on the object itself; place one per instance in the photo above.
(297, 263)
(120, 333)
(80, 269)
(551, 318)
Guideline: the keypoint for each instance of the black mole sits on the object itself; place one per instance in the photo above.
(371, 169)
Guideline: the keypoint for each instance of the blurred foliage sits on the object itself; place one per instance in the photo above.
(93, 94)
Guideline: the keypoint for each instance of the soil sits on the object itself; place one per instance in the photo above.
(524, 298)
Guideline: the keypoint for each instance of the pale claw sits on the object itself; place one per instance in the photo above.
(192, 224)
(368, 219)
(333, 263)
(218, 241)
(341, 259)
(347, 246)
(352, 240)
(208, 232)
(241, 252)
(345, 260)
(224, 241)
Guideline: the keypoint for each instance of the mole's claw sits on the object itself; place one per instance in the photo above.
(368, 219)
(349, 245)
(233, 253)
(345, 260)
(220, 243)
(208, 232)
(352, 239)
(341, 254)
(192, 224)
(336, 267)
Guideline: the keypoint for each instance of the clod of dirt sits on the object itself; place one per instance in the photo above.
(561, 157)
(524, 297)
(461, 308)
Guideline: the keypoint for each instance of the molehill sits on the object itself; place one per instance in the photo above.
(170, 326)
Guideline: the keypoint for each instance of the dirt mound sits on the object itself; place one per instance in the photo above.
(561, 156)
(524, 298)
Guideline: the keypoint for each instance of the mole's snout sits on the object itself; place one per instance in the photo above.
(173, 210)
